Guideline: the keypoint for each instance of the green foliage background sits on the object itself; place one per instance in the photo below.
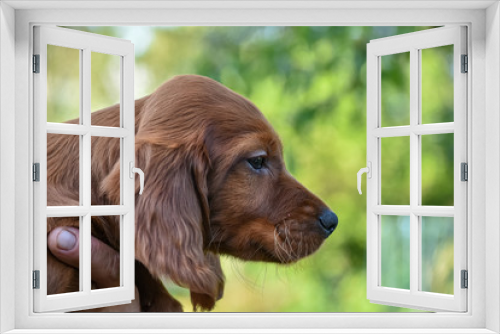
(310, 82)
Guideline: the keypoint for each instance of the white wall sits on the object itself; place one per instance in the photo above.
(23, 169)
(492, 164)
(7, 160)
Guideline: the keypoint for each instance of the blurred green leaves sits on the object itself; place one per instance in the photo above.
(63, 84)
(395, 90)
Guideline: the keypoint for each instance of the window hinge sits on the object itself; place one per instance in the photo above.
(465, 279)
(464, 171)
(465, 64)
(36, 63)
(36, 172)
(36, 279)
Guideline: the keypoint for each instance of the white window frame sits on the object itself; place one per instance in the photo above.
(483, 21)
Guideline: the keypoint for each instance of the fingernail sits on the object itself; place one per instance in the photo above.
(66, 240)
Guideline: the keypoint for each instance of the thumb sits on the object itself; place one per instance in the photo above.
(64, 244)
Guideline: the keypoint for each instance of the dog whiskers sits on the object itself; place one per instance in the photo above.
(235, 266)
(257, 250)
(299, 245)
(284, 244)
(277, 248)
(293, 255)
(287, 253)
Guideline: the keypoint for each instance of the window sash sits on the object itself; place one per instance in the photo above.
(413, 43)
(86, 43)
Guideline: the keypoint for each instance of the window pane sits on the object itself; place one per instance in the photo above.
(437, 254)
(395, 170)
(63, 170)
(63, 278)
(105, 171)
(63, 84)
(395, 243)
(106, 229)
(105, 89)
(437, 84)
(395, 89)
(437, 169)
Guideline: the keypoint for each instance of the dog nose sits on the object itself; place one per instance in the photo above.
(328, 221)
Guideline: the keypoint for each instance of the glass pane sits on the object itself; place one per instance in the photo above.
(63, 84)
(395, 243)
(437, 254)
(105, 171)
(62, 277)
(395, 89)
(437, 169)
(105, 89)
(437, 84)
(395, 170)
(63, 170)
(105, 264)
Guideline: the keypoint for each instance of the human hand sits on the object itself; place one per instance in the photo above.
(63, 242)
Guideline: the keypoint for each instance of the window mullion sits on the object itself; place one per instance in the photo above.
(85, 168)
(85, 163)
(83, 80)
(414, 169)
(86, 252)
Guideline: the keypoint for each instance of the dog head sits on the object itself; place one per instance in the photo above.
(216, 183)
(258, 211)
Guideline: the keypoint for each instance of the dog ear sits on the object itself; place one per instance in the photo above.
(203, 301)
(172, 215)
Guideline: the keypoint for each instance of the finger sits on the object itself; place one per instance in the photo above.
(105, 265)
(63, 242)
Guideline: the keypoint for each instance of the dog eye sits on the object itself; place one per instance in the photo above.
(257, 162)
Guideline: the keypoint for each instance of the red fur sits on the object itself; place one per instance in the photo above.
(201, 197)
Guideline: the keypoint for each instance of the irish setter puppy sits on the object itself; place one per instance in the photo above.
(215, 183)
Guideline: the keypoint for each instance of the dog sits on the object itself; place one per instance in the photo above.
(215, 184)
